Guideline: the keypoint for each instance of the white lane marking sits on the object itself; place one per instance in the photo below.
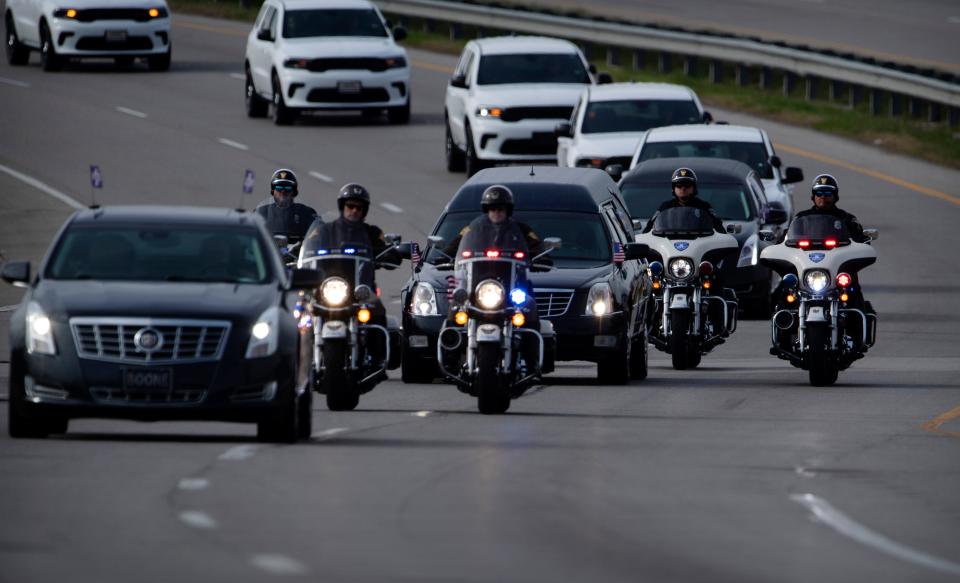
(804, 472)
(67, 200)
(278, 565)
(239, 453)
(13, 82)
(198, 519)
(321, 177)
(132, 112)
(233, 144)
(193, 483)
(954, 20)
(330, 432)
(422, 414)
(391, 207)
(240, 76)
(840, 522)
(9, 308)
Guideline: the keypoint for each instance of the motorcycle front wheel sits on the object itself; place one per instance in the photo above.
(341, 388)
(680, 349)
(823, 370)
(491, 398)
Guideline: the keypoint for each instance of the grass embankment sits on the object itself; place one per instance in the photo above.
(934, 142)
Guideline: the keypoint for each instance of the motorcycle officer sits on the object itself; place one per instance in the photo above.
(684, 186)
(282, 215)
(825, 193)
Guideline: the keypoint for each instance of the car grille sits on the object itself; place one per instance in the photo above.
(551, 112)
(355, 64)
(99, 43)
(147, 396)
(540, 144)
(180, 341)
(365, 95)
(94, 14)
(553, 302)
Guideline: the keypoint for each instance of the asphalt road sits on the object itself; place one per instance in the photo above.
(714, 474)
(925, 33)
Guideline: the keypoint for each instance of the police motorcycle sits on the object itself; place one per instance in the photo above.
(821, 323)
(481, 346)
(351, 352)
(693, 312)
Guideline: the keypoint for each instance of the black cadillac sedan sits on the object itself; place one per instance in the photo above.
(596, 296)
(155, 313)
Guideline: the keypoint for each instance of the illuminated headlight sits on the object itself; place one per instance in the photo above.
(334, 291)
(489, 111)
(600, 300)
(265, 334)
(681, 268)
(748, 254)
(817, 280)
(65, 13)
(39, 331)
(424, 300)
(490, 295)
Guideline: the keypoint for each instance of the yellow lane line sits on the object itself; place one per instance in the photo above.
(432, 67)
(873, 173)
(933, 426)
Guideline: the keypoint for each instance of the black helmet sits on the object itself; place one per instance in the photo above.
(684, 176)
(827, 184)
(354, 191)
(284, 177)
(497, 195)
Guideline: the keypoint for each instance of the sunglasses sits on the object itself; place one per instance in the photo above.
(827, 193)
(498, 209)
(353, 206)
(283, 188)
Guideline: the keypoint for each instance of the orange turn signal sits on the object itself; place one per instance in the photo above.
(519, 319)
(844, 297)
(706, 285)
(791, 298)
(363, 315)
(153, 12)
(461, 318)
(71, 13)
(656, 285)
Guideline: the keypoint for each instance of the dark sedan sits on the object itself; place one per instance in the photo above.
(153, 313)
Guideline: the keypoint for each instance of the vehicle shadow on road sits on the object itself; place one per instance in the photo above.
(354, 119)
(155, 437)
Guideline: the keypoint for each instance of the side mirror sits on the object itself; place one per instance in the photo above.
(792, 175)
(615, 171)
(775, 215)
(636, 251)
(874, 234)
(734, 229)
(305, 279)
(707, 117)
(392, 238)
(404, 250)
(767, 235)
(444, 266)
(604, 78)
(775, 161)
(16, 273)
(265, 35)
(281, 240)
(399, 33)
(563, 129)
(459, 81)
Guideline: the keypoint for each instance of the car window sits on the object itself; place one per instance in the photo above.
(731, 202)
(532, 68)
(258, 23)
(332, 22)
(274, 24)
(153, 253)
(468, 68)
(753, 154)
(643, 200)
(635, 115)
(611, 213)
(759, 193)
(267, 21)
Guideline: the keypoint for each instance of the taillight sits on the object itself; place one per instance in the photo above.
(519, 255)
(467, 254)
(830, 243)
(493, 253)
(844, 280)
(803, 244)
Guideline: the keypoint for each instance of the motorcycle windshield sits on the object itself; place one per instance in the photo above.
(686, 222)
(816, 228)
(476, 271)
(345, 262)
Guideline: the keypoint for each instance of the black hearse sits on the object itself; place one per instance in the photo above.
(597, 294)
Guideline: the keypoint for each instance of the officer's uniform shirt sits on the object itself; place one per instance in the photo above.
(508, 234)
(292, 221)
(693, 202)
(853, 226)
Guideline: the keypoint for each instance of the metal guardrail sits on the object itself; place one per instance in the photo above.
(739, 51)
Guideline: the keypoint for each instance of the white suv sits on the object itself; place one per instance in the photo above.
(610, 119)
(325, 55)
(746, 144)
(65, 29)
(506, 97)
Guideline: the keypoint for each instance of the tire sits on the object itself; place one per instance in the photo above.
(256, 106)
(639, 357)
(19, 425)
(614, 369)
(160, 63)
(415, 370)
(823, 372)
(680, 340)
(49, 59)
(282, 116)
(456, 162)
(341, 390)
(472, 164)
(282, 425)
(305, 410)
(399, 115)
(17, 53)
(491, 398)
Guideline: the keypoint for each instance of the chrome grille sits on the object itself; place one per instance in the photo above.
(552, 302)
(179, 341)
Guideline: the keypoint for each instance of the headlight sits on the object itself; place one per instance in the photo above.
(297, 63)
(681, 268)
(599, 300)
(39, 331)
(395, 62)
(490, 295)
(489, 111)
(334, 291)
(424, 300)
(748, 255)
(157, 12)
(817, 280)
(265, 334)
(65, 13)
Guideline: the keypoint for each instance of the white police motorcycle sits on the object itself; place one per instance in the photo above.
(821, 322)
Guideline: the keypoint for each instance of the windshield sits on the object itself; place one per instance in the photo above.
(753, 154)
(818, 228)
(688, 222)
(637, 115)
(730, 202)
(332, 22)
(535, 68)
(584, 240)
(153, 253)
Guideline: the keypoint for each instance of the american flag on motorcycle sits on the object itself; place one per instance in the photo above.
(451, 287)
(618, 254)
(414, 252)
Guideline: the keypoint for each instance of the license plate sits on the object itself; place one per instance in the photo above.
(678, 301)
(348, 87)
(139, 378)
(116, 36)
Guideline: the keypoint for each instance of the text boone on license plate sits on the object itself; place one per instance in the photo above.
(348, 87)
(141, 378)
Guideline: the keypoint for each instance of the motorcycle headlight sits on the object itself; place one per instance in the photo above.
(265, 334)
(424, 300)
(599, 300)
(334, 291)
(817, 280)
(39, 331)
(681, 268)
(490, 295)
(749, 252)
